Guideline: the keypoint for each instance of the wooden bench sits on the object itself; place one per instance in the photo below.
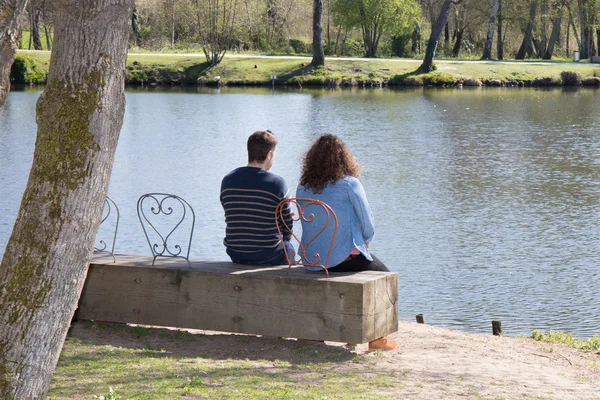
(228, 297)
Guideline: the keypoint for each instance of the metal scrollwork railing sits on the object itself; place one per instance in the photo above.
(325, 216)
(161, 215)
(107, 215)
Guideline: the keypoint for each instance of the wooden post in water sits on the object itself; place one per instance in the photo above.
(420, 319)
(497, 328)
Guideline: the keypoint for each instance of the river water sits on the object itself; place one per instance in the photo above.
(486, 201)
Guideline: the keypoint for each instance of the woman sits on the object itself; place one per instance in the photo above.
(329, 174)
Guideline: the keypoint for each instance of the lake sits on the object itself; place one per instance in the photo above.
(486, 201)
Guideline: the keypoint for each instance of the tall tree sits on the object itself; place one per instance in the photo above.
(10, 19)
(556, 23)
(500, 40)
(460, 28)
(317, 42)
(45, 262)
(527, 43)
(487, 51)
(436, 31)
(218, 32)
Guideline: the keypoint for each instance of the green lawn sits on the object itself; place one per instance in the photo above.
(192, 69)
(142, 363)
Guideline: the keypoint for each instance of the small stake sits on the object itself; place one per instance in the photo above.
(420, 319)
(497, 328)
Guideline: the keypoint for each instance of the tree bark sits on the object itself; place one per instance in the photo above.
(500, 41)
(79, 116)
(34, 17)
(10, 19)
(526, 44)
(554, 35)
(436, 32)
(317, 44)
(416, 40)
(487, 51)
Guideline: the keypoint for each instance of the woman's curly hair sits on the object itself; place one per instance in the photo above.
(328, 160)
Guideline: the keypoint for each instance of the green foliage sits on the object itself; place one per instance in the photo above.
(300, 46)
(26, 70)
(378, 17)
(592, 344)
(400, 43)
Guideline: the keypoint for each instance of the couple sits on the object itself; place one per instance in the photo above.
(250, 195)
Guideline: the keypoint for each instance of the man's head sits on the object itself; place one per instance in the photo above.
(261, 148)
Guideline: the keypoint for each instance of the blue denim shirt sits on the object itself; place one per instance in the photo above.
(348, 200)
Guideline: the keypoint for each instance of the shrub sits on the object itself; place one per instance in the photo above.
(472, 82)
(570, 78)
(301, 47)
(26, 70)
(400, 44)
(591, 81)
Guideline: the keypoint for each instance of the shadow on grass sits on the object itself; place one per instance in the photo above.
(163, 342)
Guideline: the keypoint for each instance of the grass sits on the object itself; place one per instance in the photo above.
(174, 69)
(592, 344)
(108, 371)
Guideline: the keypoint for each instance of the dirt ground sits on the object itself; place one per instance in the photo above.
(432, 362)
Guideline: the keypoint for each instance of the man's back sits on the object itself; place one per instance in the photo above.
(249, 196)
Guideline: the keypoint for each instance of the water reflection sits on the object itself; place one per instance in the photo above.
(486, 200)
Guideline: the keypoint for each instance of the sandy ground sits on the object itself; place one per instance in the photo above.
(431, 362)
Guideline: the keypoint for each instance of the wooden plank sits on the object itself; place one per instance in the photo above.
(223, 296)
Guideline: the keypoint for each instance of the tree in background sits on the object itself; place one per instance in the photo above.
(318, 59)
(45, 262)
(376, 18)
(217, 27)
(434, 37)
(11, 12)
(487, 51)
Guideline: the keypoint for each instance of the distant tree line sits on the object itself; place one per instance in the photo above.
(488, 29)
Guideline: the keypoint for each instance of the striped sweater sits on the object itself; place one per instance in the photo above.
(249, 197)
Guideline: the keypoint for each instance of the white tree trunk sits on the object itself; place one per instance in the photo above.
(79, 118)
(10, 19)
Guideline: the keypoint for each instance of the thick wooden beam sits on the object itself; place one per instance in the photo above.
(227, 297)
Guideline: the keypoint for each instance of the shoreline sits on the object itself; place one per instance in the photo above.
(429, 363)
(288, 71)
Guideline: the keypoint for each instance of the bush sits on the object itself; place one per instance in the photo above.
(26, 70)
(570, 78)
(591, 81)
(400, 44)
(300, 47)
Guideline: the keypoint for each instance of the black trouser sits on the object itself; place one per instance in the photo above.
(360, 263)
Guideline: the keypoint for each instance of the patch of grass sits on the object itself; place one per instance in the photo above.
(86, 370)
(592, 344)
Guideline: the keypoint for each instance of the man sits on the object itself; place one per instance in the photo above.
(249, 196)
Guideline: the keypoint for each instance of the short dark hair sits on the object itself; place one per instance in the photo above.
(260, 143)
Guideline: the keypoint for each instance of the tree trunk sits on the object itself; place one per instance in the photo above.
(553, 36)
(587, 30)
(487, 51)
(526, 44)
(35, 25)
(416, 40)
(317, 44)
(500, 41)
(79, 117)
(458, 42)
(10, 19)
(598, 37)
(434, 37)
